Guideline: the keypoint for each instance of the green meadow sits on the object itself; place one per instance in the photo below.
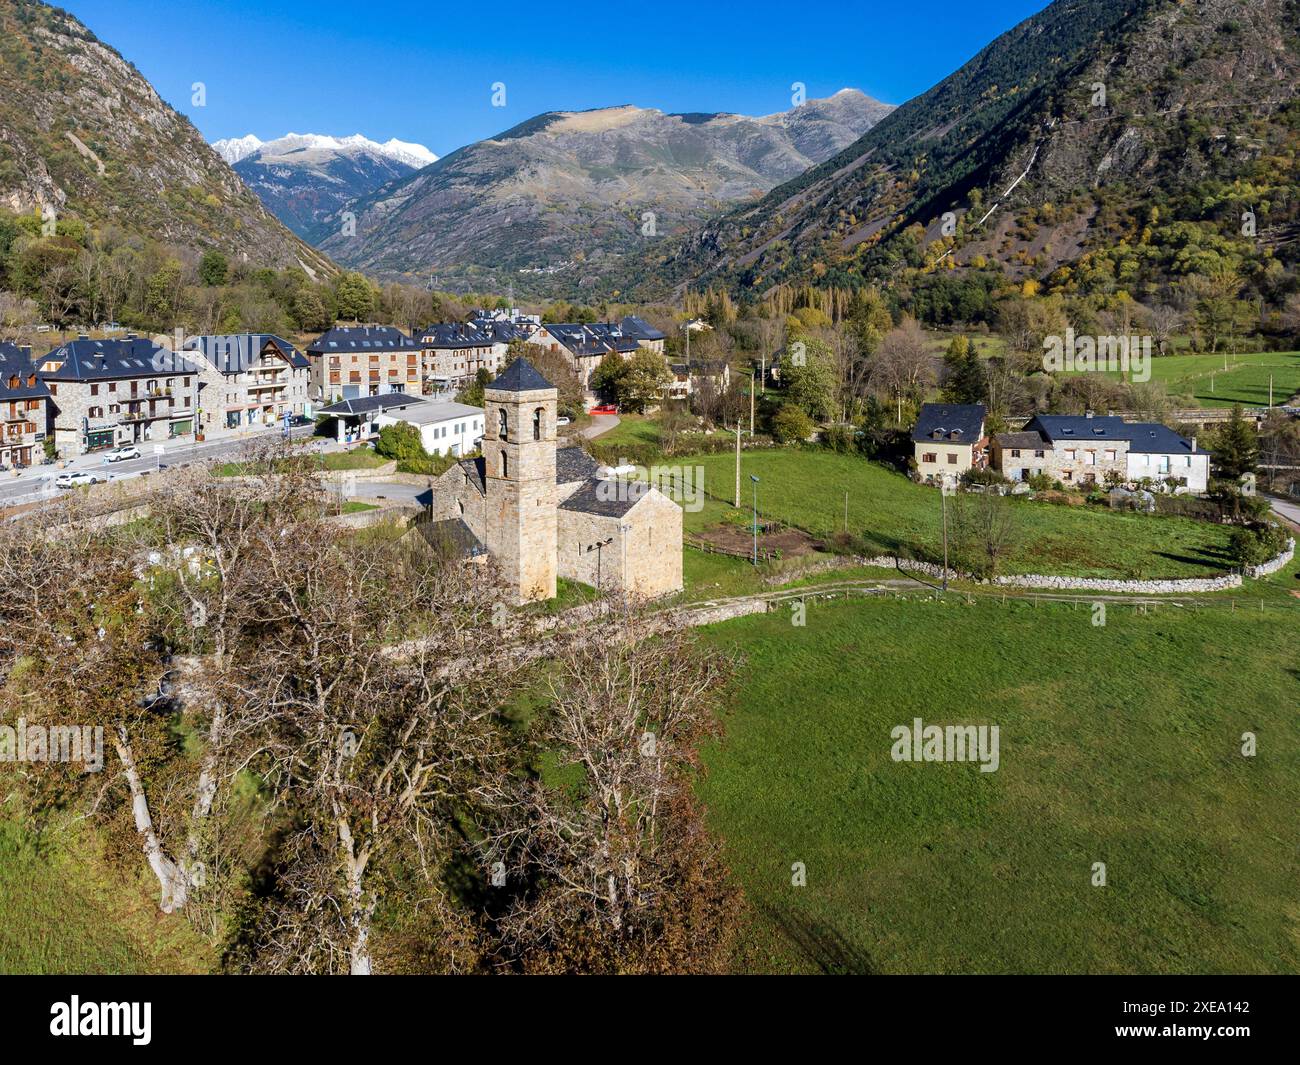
(1119, 744)
(888, 513)
(1224, 380)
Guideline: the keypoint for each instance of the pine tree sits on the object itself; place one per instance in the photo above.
(1236, 446)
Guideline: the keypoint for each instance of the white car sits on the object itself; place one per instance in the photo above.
(75, 479)
(561, 421)
(119, 454)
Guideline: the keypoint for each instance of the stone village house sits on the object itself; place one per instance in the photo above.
(1076, 449)
(949, 439)
(248, 380)
(106, 393)
(24, 404)
(349, 362)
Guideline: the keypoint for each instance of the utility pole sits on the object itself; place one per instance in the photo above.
(738, 424)
(1270, 390)
(846, 510)
(755, 480)
(751, 400)
(943, 505)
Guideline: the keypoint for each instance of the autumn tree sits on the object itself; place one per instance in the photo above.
(613, 868)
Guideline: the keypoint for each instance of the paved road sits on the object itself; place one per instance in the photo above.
(37, 483)
(600, 423)
(417, 494)
(1288, 510)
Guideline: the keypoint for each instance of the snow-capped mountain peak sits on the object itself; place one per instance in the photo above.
(235, 149)
(416, 155)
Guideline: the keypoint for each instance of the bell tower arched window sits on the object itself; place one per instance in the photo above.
(537, 424)
(501, 423)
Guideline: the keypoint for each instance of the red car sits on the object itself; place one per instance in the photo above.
(608, 408)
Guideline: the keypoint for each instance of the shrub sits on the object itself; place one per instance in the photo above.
(841, 438)
(986, 476)
(791, 424)
(401, 442)
(1256, 543)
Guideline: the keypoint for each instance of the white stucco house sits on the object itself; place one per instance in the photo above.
(445, 428)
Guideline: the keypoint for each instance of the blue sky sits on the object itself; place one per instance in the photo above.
(424, 71)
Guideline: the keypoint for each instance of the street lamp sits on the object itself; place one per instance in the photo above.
(599, 545)
(755, 480)
(947, 485)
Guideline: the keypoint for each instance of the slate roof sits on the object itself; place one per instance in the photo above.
(607, 499)
(520, 376)
(17, 362)
(236, 352)
(598, 338)
(639, 328)
(498, 332)
(476, 471)
(361, 338)
(454, 335)
(571, 464)
(1141, 437)
(372, 404)
(956, 423)
(574, 464)
(1033, 441)
(450, 536)
(103, 360)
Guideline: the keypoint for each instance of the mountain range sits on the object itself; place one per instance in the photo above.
(308, 179)
(1126, 136)
(83, 133)
(551, 201)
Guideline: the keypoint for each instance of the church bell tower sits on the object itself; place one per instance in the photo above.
(519, 474)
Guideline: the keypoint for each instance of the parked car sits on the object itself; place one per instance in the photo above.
(75, 479)
(119, 454)
(299, 419)
(561, 420)
(607, 408)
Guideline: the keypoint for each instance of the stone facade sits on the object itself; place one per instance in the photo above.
(247, 380)
(349, 362)
(639, 551)
(519, 467)
(106, 393)
(541, 512)
(24, 408)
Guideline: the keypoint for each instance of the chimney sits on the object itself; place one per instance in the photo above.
(26, 349)
(1087, 414)
(83, 336)
(132, 336)
(1193, 445)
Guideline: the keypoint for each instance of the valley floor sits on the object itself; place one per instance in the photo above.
(1119, 744)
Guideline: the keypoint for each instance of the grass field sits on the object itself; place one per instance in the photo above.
(359, 459)
(632, 429)
(62, 910)
(807, 489)
(1118, 744)
(1203, 379)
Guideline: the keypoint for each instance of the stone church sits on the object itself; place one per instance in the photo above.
(543, 512)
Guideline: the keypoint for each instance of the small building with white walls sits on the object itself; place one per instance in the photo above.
(445, 428)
